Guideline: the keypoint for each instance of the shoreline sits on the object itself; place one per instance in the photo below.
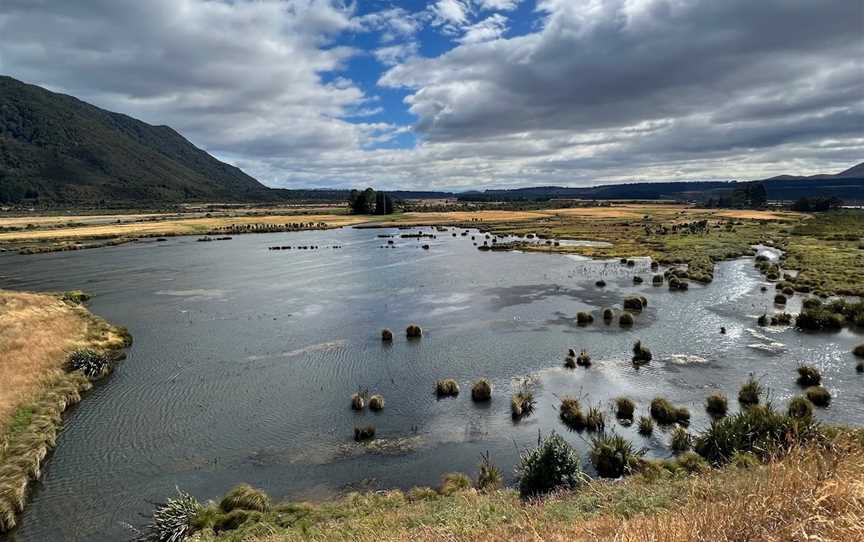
(28, 436)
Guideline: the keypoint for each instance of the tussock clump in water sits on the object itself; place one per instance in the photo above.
(455, 482)
(481, 390)
(358, 401)
(626, 319)
(664, 412)
(637, 280)
(800, 407)
(554, 464)
(413, 331)
(609, 315)
(447, 388)
(676, 284)
(762, 320)
(716, 404)
(489, 477)
(859, 351)
(641, 353)
(819, 396)
(94, 365)
(522, 403)
(376, 403)
(600, 284)
(595, 420)
(386, 335)
(614, 456)
(681, 440)
(364, 433)
(583, 359)
(570, 413)
(657, 280)
(809, 376)
(633, 304)
(584, 318)
(570, 362)
(245, 497)
(571, 352)
(750, 392)
(646, 426)
(172, 521)
(624, 408)
(780, 299)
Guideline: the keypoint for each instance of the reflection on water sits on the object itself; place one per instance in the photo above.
(244, 361)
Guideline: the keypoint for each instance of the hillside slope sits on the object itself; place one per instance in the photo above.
(56, 149)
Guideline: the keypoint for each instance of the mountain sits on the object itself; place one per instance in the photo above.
(58, 150)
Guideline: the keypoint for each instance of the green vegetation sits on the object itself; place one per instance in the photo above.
(595, 421)
(413, 331)
(358, 401)
(633, 304)
(94, 365)
(552, 465)
(859, 351)
(454, 482)
(716, 404)
(570, 413)
(613, 456)
(819, 396)
(608, 315)
(446, 388)
(641, 353)
(376, 403)
(386, 335)
(626, 319)
(583, 359)
(245, 497)
(646, 426)
(481, 390)
(522, 403)
(833, 315)
(172, 521)
(489, 477)
(750, 392)
(800, 408)
(76, 297)
(809, 376)
(584, 318)
(624, 408)
(681, 440)
(665, 413)
(366, 432)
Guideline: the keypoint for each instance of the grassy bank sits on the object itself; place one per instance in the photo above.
(37, 334)
(813, 492)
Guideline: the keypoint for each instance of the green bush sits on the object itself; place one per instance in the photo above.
(233, 520)
(624, 408)
(681, 440)
(245, 497)
(716, 404)
(690, 463)
(800, 407)
(489, 478)
(750, 392)
(481, 390)
(819, 396)
(665, 413)
(809, 376)
(552, 465)
(570, 413)
(454, 482)
(613, 456)
(446, 388)
(172, 521)
(646, 426)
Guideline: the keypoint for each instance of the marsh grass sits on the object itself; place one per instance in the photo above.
(624, 408)
(571, 415)
(583, 359)
(800, 407)
(366, 432)
(481, 390)
(595, 420)
(386, 335)
(716, 404)
(245, 497)
(808, 376)
(750, 392)
(681, 440)
(454, 482)
(614, 456)
(489, 477)
(413, 331)
(641, 353)
(358, 401)
(666, 413)
(646, 426)
(446, 388)
(626, 319)
(818, 395)
(376, 403)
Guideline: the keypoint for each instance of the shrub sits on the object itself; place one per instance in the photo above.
(386, 335)
(609, 315)
(595, 420)
(750, 392)
(681, 440)
(613, 456)
(800, 407)
(172, 521)
(759, 430)
(819, 396)
(376, 403)
(522, 403)
(571, 414)
(245, 497)
(641, 353)
(809, 376)
(820, 318)
(413, 331)
(646, 426)
(859, 351)
(716, 404)
(665, 413)
(583, 360)
(455, 482)
(625, 320)
(583, 318)
(489, 478)
(364, 433)
(92, 364)
(446, 388)
(358, 401)
(553, 464)
(633, 304)
(481, 390)
(624, 408)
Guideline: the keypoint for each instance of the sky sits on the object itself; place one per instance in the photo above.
(467, 94)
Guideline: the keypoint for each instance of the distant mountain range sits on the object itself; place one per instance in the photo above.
(56, 150)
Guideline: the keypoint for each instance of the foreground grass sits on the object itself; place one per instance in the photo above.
(813, 493)
(37, 333)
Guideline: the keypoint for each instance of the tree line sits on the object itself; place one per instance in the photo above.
(370, 202)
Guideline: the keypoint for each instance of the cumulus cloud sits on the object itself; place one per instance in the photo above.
(490, 28)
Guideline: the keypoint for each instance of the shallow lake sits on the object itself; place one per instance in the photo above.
(245, 359)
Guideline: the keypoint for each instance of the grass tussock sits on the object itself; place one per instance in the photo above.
(666, 413)
(552, 465)
(641, 353)
(716, 404)
(614, 456)
(750, 392)
(413, 331)
(454, 482)
(571, 415)
(376, 403)
(489, 477)
(481, 391)
(819, 396)
(809, 376)
(681, 441)
(366, 432)
(624, 408)
(646, 426)
(626, 319)
(522, 403)
(446, 388)
(386, 335)
(245, 497)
